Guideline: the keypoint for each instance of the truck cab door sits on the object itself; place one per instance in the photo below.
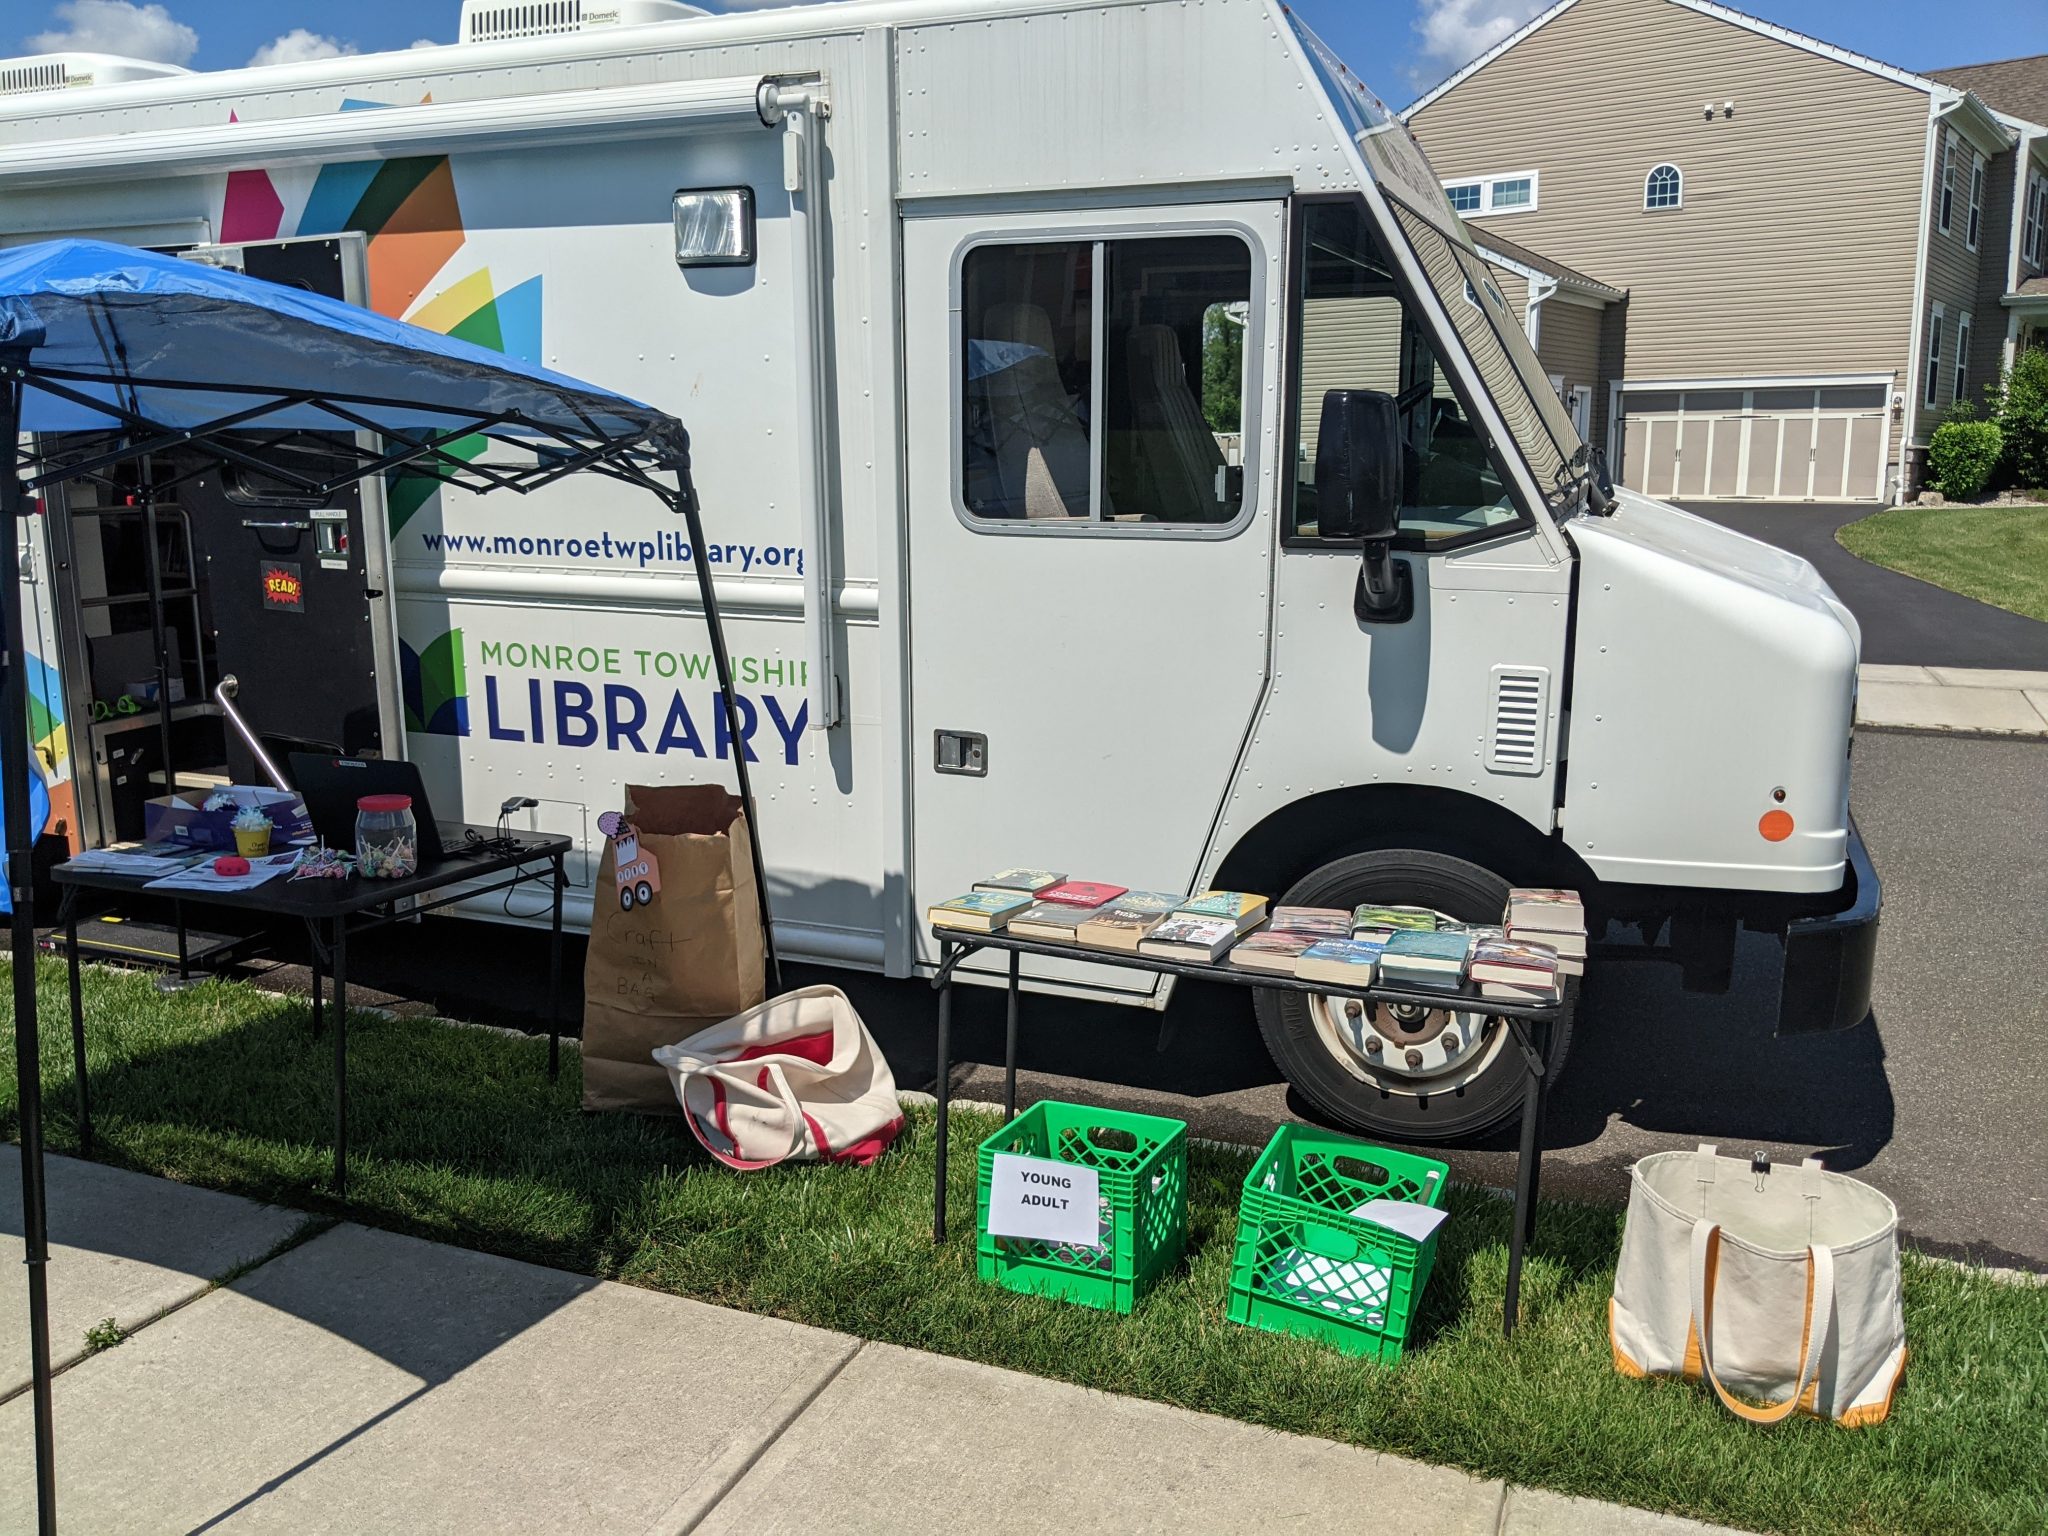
(1089, 396)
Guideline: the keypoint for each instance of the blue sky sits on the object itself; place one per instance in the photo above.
(1400, 46)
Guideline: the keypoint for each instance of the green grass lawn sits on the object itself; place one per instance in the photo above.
(458, 1135)
(1997, 555)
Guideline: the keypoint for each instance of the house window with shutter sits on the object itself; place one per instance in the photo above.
(1975, 227)
(1933, 388)
(1962, 382)
(1947, 190)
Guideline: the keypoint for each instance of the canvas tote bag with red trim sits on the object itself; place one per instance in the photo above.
(1777, 1287)
(796, 1079)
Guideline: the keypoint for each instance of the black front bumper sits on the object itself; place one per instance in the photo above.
(1829, 959)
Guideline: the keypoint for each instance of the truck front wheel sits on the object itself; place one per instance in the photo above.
(1420, 1075)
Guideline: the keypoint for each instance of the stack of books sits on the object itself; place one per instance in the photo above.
(1553, 919)
(1515, 972)
(1061, 909)
(1124, 923)
(1204, 927)
(1288, 934)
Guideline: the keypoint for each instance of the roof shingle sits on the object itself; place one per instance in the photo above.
(2016, 87)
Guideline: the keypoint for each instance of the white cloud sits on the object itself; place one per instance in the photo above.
(116, 26)
(297, 46)
(424, 42)
(1454, 32)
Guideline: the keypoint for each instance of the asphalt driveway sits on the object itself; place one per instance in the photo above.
(1906, 621)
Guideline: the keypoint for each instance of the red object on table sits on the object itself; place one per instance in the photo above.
(231, 864)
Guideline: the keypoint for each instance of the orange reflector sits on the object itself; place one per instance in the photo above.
(1775, 826)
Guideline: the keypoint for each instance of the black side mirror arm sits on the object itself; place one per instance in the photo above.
(1386, 587)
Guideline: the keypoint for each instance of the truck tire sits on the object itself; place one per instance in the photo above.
(1462, 1078)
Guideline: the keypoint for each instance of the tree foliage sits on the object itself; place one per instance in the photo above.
(2020, 407)
(1222, 370)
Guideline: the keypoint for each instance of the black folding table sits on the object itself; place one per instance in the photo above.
(332, 910)
(1531, 1027)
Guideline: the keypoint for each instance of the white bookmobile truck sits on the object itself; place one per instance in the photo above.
(1010, 335)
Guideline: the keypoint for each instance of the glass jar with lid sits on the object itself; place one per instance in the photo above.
(387, 838)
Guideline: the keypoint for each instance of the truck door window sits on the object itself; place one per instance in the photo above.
(1354, 330)
(1103, 381)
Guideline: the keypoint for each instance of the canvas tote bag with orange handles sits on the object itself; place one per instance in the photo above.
(1779, 1287)
(796, 1079)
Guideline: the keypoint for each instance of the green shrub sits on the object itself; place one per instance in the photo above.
(2020, 407)
(1962, 456)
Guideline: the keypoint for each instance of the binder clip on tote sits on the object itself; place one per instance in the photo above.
(1777, 1287)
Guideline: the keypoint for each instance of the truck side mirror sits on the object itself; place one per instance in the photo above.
(1358, 495)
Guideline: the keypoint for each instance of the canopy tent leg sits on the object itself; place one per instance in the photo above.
(14, 772)
(700, 557)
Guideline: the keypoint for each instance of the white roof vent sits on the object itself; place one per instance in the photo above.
(494, 21)
(74, 71)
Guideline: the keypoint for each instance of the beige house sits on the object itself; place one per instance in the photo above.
(1577, 324)
(1681, 150)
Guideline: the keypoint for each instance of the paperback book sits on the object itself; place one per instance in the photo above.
(978, 911)
(1116, 927)
(1374, 919)
(1082, 893)
(1049, 920)
(1190, 936)
(1530, 968)
(1321, 922)
(1029, 881)
(1429, 960)
(1245, 911)
(1343, 962)
(1160, 902)
(1270, 949)
(1546, 911)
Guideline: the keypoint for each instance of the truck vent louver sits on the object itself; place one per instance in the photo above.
(19, 79)
(1520, 731)
(541, 18)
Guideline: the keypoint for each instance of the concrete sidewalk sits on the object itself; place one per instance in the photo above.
(359, 1381)
(1985, 699)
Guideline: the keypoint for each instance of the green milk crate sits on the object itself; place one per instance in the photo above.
(1305, 1265)
(1142, 1163)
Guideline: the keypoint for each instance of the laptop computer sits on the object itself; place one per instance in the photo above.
(332, 785)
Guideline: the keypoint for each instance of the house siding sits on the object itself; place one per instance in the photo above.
(1751, 276)
(1569, 341)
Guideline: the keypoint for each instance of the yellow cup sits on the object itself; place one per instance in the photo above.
(252, 842)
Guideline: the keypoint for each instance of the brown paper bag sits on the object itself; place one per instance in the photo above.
(663, 966)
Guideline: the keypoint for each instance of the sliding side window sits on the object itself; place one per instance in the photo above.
(1104, 381)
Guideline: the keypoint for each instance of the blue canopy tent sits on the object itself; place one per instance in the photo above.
(111, 354)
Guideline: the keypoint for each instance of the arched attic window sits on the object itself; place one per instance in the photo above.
(1664, 187)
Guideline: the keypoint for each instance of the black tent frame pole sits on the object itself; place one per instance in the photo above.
(686, 502)
(159, 628)
(14, 772)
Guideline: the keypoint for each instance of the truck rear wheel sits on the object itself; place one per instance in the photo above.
(1426, 1075)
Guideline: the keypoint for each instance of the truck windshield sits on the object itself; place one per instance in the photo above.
(1491, 335)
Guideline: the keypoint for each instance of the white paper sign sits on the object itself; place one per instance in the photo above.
(1042, 1198)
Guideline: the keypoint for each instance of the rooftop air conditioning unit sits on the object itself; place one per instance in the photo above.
(494, 21)
(74, 71)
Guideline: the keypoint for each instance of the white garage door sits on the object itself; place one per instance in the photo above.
(1826, 443)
